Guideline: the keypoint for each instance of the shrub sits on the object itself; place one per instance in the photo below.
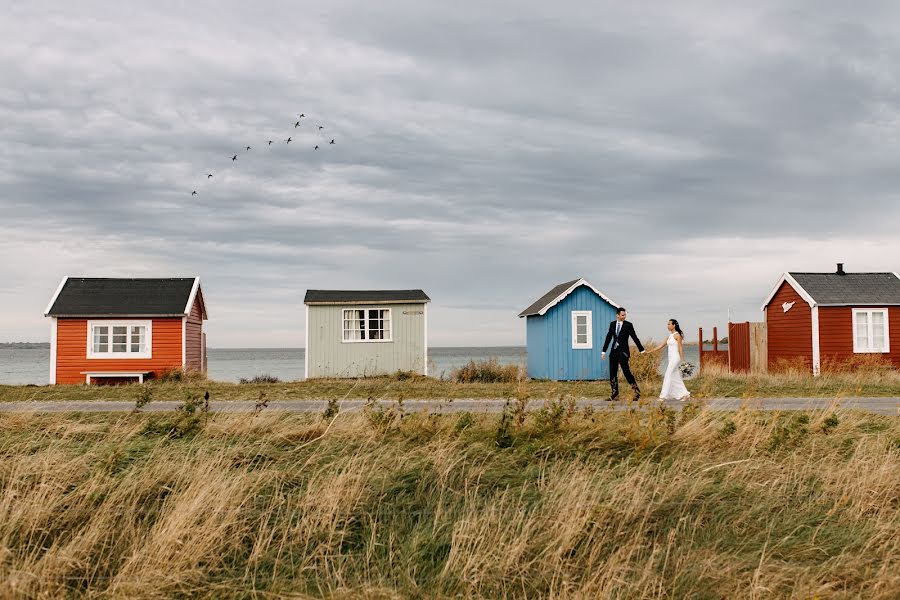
(143, 397)
(645, 367)
(407, 376)
(555, 413)
(264, 378)
(864, 364)
(830, 423)
(181, 375)
(729, 428)
(503, 435)
(487, 371)
(464, 421)
(331, 410)
(797, 365)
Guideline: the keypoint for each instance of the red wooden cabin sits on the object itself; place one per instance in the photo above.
(817, 317)
(116, 329)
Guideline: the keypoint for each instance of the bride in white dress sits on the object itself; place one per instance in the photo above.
(673, 385)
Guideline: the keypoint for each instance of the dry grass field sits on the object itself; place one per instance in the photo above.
(560, 503)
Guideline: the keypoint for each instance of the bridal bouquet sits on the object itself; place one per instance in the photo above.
(686, 368)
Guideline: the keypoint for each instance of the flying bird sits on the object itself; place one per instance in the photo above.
(234, 157)
(320, 127)
(297, 124)
(248, 148)
(194, 193)
(208, 176)
(331, 142)
(316, 148)
(270, 142)
(302, 115)
(288, 141)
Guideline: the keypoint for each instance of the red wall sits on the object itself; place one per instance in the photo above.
(194, 336)
(836, 333)
(790, 333)
(71, 351)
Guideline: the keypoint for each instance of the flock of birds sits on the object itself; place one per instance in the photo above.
(300, 117)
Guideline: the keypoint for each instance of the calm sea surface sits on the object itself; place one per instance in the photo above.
(19, 366)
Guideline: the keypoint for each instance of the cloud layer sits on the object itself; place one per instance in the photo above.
(680, 155)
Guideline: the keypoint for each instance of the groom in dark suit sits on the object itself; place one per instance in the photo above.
(619, 332)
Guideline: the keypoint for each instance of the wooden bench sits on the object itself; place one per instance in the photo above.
(114, 374)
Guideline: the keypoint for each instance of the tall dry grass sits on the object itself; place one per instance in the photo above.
(487, 371)
(576, 505)
(861, 375)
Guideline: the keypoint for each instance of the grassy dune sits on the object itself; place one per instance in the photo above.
(558, 503)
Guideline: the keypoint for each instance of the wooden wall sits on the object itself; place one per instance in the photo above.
(71, 351)
(789, 333)
(193, 337)
(836, 334)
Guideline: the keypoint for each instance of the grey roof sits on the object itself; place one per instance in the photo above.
(365, 296)
(89, 297)
(547, 298)
(850, 288)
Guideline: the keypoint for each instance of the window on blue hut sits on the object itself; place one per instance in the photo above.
(582, 330)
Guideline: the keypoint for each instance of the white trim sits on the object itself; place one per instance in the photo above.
(306, 345)
(590, 329)
(53, 340)
(390, 319)
(887, 335)
(128, 354)
(192, 297)
(816, 351)
(786, 277)
(572, 288)
(425, 353)
(56, 295)
(183, 342)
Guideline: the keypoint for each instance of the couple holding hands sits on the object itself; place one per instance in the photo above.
(620, 330)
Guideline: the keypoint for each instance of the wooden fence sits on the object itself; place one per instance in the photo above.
(747, 348)
(714, 356)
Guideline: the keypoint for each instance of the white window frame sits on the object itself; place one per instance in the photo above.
(887, 338)
(590, 329)
(389, 317)
(147, 352)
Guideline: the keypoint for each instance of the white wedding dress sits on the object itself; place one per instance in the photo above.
(673, 386)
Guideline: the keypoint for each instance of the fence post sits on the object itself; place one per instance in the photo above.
(700, 347)
(716, 340)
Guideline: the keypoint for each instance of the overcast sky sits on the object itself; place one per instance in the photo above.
(680, 156)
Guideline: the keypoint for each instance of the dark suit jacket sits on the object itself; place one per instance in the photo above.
(626, 332)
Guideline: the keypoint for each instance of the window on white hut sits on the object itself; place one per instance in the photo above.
(362, 325)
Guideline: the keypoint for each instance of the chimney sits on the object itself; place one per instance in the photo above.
(840, 270)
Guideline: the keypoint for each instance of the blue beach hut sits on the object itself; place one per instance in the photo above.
(564, 332)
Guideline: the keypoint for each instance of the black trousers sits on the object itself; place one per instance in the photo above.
(619, 359)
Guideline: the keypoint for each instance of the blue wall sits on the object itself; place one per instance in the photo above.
(549, 339)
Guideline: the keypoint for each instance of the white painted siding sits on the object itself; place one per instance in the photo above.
(328, 356)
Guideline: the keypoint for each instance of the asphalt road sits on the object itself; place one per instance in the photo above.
(884, 406)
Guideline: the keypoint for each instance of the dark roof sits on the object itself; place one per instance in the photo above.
(850, 288)
(364, 296)
(542, 304)
(547, 298)
(89, 297)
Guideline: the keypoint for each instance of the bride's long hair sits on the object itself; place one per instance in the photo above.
(675, 324)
